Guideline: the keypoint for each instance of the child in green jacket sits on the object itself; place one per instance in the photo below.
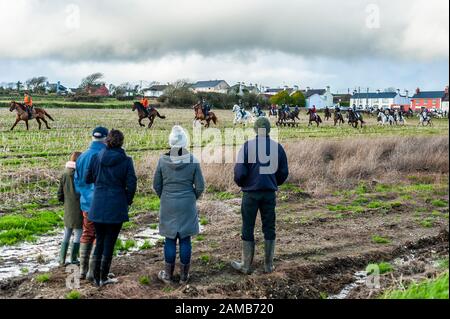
(73, 218)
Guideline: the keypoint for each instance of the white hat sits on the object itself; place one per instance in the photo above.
(178, 137)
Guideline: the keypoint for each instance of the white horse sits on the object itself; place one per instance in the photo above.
(385, 119)
(399, 118)
(256, 113)
(240, 118)
(425, 119)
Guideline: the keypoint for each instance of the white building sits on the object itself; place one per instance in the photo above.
(155, 91)
(376, 100)
(320, 98)
(216, 86)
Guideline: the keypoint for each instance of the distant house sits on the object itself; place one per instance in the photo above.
(216, 86)
(321, 98)
(377, 100)
(57, 88)
(241, 89)
(428, 99)
(342, 99)
(445, 106)
(155, 91)
(98, 90)
(269, 92)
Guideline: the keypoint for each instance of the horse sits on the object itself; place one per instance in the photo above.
(151, 114)
(314, 117)
(384, 119)
(338, 118)
(240, 118)
(327, 114)
(200, 116)
(354, 119)
(273, 112)
(399, 118)
(425, 119)
(38, 114)
(257, 113)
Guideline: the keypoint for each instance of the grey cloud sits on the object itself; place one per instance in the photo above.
(138, 30)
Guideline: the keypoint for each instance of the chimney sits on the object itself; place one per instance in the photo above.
(328, 88)
(407, 93)
(296, 87)
(398, 91)
(286, 87)
(417, 90)
(378, 91)
(307, 88)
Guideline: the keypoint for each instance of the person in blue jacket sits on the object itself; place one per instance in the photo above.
(86, 191)
(112, 173)
(259, 177)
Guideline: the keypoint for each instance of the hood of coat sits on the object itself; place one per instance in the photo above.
(112, 156)
(177, 162)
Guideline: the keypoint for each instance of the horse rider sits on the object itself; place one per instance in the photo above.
(314, 111)
(258, 111)
(337, 109)
(205, 107)
(355, 112)
(28, 101)
(144, 102)
(287, 109)
(273, 109)
(242, 108)
(296, 109)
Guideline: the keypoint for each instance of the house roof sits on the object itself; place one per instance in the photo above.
(375, 95)
(157, 88)
(429, 95)
(310, 93)
(207, 84)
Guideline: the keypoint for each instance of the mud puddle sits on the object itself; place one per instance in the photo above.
(42, 255)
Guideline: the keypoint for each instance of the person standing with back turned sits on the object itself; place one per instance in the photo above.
(261, 167)
(86, 191)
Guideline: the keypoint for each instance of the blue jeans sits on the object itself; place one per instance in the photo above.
(68, 235)
(170, 250)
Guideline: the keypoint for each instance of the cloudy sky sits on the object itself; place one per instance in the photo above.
(342, 43)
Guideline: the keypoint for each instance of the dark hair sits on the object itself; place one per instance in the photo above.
(75, 156)
(115, 139)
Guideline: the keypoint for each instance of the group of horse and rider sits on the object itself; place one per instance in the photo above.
(286, 114)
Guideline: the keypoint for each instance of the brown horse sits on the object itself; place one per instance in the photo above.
(338, 118)
(22, 115)
(151, 114)
(354, 119)
(314, 117)
(327, 114)
(200, 116)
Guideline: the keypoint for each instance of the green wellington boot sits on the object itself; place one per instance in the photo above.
(248, 253)
(269, 249)
(85, 253)
(74, 254)
(63, 253)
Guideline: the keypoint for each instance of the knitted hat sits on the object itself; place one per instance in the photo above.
(262, 123)
(178, 137)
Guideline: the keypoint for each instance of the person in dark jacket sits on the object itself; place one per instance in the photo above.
(112, 173)
(73, 217)
(86, 191)
(261, 167)
(179, 182)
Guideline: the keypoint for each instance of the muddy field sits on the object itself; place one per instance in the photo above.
(376, 196)
(319, 250)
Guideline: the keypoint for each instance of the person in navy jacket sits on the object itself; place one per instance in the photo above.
(261, 167)
(112, 173)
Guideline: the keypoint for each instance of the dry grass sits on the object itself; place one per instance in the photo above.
(326, 165)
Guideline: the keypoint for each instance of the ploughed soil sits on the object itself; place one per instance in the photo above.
(318, 253)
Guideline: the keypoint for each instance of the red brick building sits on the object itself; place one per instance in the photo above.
(428, 99)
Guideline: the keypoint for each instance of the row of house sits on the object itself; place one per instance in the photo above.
(438, 100)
